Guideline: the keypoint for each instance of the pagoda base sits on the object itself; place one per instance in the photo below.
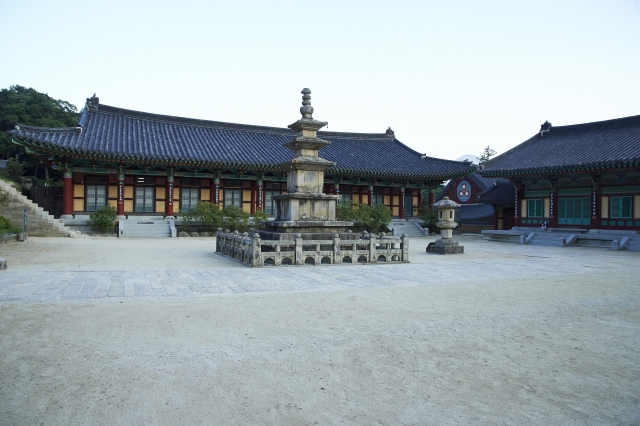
(306, 207)
(308, 229)
(445, 246)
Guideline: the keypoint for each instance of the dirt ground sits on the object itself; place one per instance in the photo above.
(503, 347)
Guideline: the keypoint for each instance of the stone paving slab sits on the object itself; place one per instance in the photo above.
(46, 286)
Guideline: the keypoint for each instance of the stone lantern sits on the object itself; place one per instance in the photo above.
(446, 244)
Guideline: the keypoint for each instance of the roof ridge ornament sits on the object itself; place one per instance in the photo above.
(545, 127)
(390, 133)
(306, 109)
(93, 102)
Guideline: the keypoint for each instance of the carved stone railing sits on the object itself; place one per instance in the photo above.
(256, 252)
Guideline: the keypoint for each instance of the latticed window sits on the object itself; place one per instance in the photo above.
(144, 199)
(345, 199)
(96, 197)
(534, 207)
(574, 211)
(270, 205)
(377, 199)
(233, 197)
(621, 207)
(189, 198)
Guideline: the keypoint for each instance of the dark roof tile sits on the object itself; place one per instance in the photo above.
(601, 144)
(502, 192)
(475, 211)
(116, 132)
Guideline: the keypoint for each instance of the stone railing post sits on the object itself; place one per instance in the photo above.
(246, 249)
(256, 256)
(372, 248)
(228, 244)
(219, 240)
(234, 238)
(337, 256)
(278, 260)
(405, 247)
(298, 240)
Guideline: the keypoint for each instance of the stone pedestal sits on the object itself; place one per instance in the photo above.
(446, 244)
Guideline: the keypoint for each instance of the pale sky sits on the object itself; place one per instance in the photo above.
(449, 77)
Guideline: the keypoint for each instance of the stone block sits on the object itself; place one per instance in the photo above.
(448, 246)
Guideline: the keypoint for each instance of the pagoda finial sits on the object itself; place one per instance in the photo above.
(306, 109)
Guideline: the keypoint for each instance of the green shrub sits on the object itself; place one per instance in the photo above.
(104, 219)
(211, 217)
(235, 219)
(372, 218)
(4, 198)
(206, 213)
(14, 169)
(256, 222)
(4, 222)
(7, 228)
(430, 217)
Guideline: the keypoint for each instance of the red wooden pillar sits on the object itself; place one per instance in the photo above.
(169, 195)
(67, 195)
(260, 196)
(596, 204)
(553, 199)
(120, 205)
(419, 201)
(402, 203)
(254, 197)
(216, 189)
(517, 221)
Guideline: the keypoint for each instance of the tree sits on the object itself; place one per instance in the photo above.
(486, 155)
(19, 104)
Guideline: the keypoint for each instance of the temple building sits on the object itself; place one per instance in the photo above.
(584, 176)
(472, 216)
(158, 165)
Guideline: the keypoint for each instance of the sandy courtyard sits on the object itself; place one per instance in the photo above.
(504, 334)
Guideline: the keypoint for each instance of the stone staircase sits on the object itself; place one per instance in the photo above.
(407, 226)
(605, 239)
(39, 222)
(141, 228)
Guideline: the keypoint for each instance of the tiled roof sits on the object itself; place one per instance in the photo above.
(502, 192)
(475, 212)
(484, 182)
(132, 135)
(581, 147)
(481, 181)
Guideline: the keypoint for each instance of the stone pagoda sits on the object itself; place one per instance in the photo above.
(305, 209)
(305, 231)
